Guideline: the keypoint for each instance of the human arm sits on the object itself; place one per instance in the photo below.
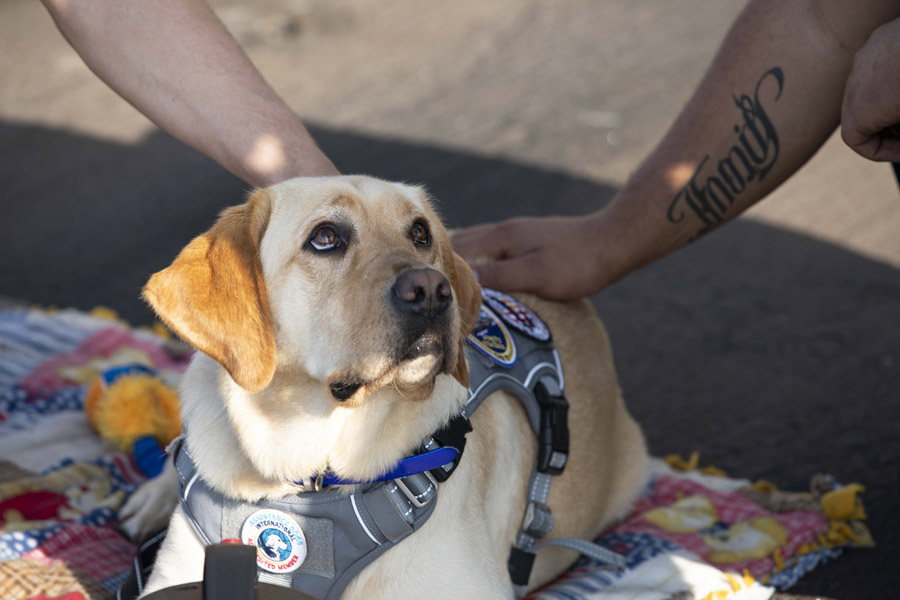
(176, 63)
(871, 111)
(768, 101)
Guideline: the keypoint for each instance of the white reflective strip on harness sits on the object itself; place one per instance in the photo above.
(559, 371)
(531, 409)
(190, 484)
(539, 488)
(530, 379)
(360, 519)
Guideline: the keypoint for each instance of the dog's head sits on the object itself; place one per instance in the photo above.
(349, 282)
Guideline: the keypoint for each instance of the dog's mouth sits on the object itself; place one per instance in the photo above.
(413, 367)
(427, 345)
(424, 358)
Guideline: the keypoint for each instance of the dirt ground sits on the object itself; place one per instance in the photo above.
(771, 346)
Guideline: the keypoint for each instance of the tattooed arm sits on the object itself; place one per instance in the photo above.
(771, 97)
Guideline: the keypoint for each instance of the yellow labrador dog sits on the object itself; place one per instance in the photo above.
(330, 315)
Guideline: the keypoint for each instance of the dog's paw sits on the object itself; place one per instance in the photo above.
(150, 507)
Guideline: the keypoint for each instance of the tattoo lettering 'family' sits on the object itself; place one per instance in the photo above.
(710, 195)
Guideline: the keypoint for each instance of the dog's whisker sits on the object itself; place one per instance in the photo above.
(399, 391)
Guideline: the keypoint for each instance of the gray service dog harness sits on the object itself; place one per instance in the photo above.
(317, 541)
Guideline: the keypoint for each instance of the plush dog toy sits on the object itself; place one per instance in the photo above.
(133, 410)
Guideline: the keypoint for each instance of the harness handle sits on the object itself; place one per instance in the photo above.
(229, 571)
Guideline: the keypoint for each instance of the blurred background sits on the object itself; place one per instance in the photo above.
(771, 346)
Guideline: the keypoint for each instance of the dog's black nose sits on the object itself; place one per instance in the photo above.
(421, 291)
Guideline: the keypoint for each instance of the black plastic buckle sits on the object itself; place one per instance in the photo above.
(142, 567)
(454, 436)
(553, 439)
(519, 565)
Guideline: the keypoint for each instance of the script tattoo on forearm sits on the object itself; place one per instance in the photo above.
(711, 192)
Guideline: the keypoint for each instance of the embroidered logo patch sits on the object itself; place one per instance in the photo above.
(516, 314)
(492, 337)
(280, 544)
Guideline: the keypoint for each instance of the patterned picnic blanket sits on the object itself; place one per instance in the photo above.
(691, 533)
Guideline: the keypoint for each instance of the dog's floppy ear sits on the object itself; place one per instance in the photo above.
(213, 294)
(468, 299)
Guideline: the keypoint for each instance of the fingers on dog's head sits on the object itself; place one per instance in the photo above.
(213, 295)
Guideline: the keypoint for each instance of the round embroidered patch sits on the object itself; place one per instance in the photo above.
(493, 338)
(516, 314)
(280, 544)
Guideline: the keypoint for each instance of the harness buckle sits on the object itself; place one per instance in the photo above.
(419, 488)
(553, 440)
(538, 520)
(454, 435)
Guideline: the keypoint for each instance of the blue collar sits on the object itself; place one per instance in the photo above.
(440, 462)
(417, 463)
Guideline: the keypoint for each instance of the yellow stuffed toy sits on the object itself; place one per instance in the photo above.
(133, 410)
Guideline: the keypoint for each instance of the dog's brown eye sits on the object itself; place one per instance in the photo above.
(325, 238)
(419, 234)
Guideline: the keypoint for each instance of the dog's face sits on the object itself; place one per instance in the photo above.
(348, 282)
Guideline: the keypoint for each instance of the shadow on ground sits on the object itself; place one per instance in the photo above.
(774, 354)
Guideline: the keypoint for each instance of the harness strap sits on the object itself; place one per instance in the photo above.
(392, 515)
(610, 560)
(344, 532)
(521, 561)
(553, 449)
(187, 477)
